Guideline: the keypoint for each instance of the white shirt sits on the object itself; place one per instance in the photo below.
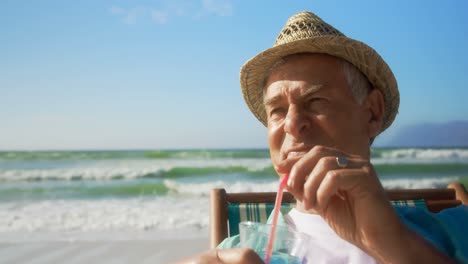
(325, 246)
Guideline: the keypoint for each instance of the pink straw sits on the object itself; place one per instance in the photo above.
(279, 198)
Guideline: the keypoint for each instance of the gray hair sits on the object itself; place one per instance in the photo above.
(357, 81)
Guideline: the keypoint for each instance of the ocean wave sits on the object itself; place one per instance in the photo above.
(445, 154)
(136, 154)
(77, 174)
(186, 208)
(126, 189)
(391, 169)
(421, 154)
(162, 213)
(142, 169)
(421, 183)
(89, 191)
(209, 154)
(204, 189)
(66, 155)
(214, 170)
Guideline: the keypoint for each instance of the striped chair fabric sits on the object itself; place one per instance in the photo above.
(259, 212)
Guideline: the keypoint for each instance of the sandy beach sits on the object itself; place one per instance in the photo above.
(142, 251)
(153, 246)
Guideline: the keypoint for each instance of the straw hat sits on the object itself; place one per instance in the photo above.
(306, 32)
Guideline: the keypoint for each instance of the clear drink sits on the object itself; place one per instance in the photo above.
(280, 258)
(290, 246)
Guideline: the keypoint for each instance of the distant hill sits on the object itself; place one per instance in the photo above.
(452, 134)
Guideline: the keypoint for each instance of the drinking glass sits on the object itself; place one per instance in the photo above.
(289, 247)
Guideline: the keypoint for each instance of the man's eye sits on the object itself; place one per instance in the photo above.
(315, 101)
(276, 111)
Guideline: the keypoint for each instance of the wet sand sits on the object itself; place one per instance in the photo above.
(142, 251)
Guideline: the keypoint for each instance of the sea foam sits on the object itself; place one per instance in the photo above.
(167, 213)
(130, 169)
(187, 208)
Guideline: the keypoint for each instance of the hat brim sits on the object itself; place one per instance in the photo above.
(367, 60)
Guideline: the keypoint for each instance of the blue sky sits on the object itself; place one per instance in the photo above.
(164, 74)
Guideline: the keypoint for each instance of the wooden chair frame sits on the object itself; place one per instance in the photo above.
(436, 200)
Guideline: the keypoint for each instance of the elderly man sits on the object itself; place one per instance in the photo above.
(324, 98)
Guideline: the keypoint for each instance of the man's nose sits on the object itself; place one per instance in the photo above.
(296, 123)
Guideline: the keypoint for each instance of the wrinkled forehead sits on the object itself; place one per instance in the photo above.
(301, 66)
(295, 91)
(283, 67)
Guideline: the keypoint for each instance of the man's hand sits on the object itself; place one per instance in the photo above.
(225, 256)
(353, 202)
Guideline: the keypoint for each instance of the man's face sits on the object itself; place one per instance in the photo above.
(308, 103)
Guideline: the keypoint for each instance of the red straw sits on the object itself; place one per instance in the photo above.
(279, 197)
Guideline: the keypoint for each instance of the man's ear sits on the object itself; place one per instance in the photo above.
(375, 106)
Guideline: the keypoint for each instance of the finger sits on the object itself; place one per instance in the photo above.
(335, 181)
(210, 256)
(302, 168)
(238, 255)
(314, 180)
(285, 166)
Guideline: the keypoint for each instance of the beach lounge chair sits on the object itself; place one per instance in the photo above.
(228, 209)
